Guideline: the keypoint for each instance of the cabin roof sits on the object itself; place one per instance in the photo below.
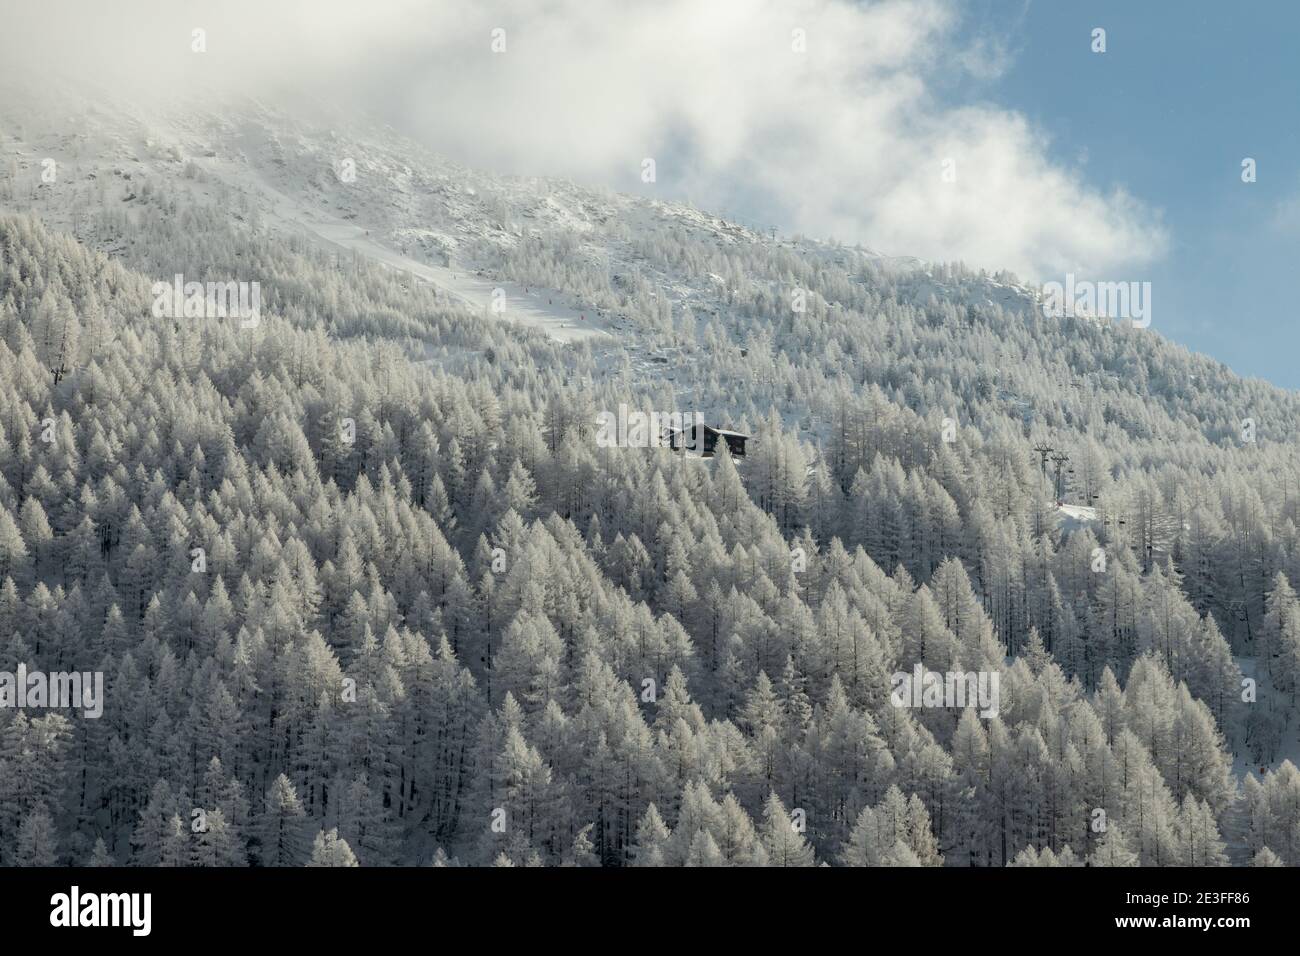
(725, 432)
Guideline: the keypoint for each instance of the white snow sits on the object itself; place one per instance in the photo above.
(547, 310)
(1074, 517)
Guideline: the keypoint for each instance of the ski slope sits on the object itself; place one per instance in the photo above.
(545, 309)
(1074, 517)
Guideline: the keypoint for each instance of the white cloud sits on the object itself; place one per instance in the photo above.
(845, 140)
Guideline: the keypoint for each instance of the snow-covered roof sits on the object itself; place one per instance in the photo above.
(725, 432)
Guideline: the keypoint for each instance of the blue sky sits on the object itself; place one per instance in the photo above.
(1185, 90)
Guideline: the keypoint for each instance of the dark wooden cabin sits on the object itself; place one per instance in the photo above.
(684, 439)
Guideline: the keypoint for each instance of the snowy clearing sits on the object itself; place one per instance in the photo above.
(1074, 517)
(546, 309)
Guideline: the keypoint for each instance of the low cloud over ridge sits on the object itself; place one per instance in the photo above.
(846, 139)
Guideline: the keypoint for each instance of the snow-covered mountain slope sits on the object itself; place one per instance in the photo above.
(634, 276)
(371, 190)
(895, 407)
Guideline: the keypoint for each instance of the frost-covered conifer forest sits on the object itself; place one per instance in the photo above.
(333, 458)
